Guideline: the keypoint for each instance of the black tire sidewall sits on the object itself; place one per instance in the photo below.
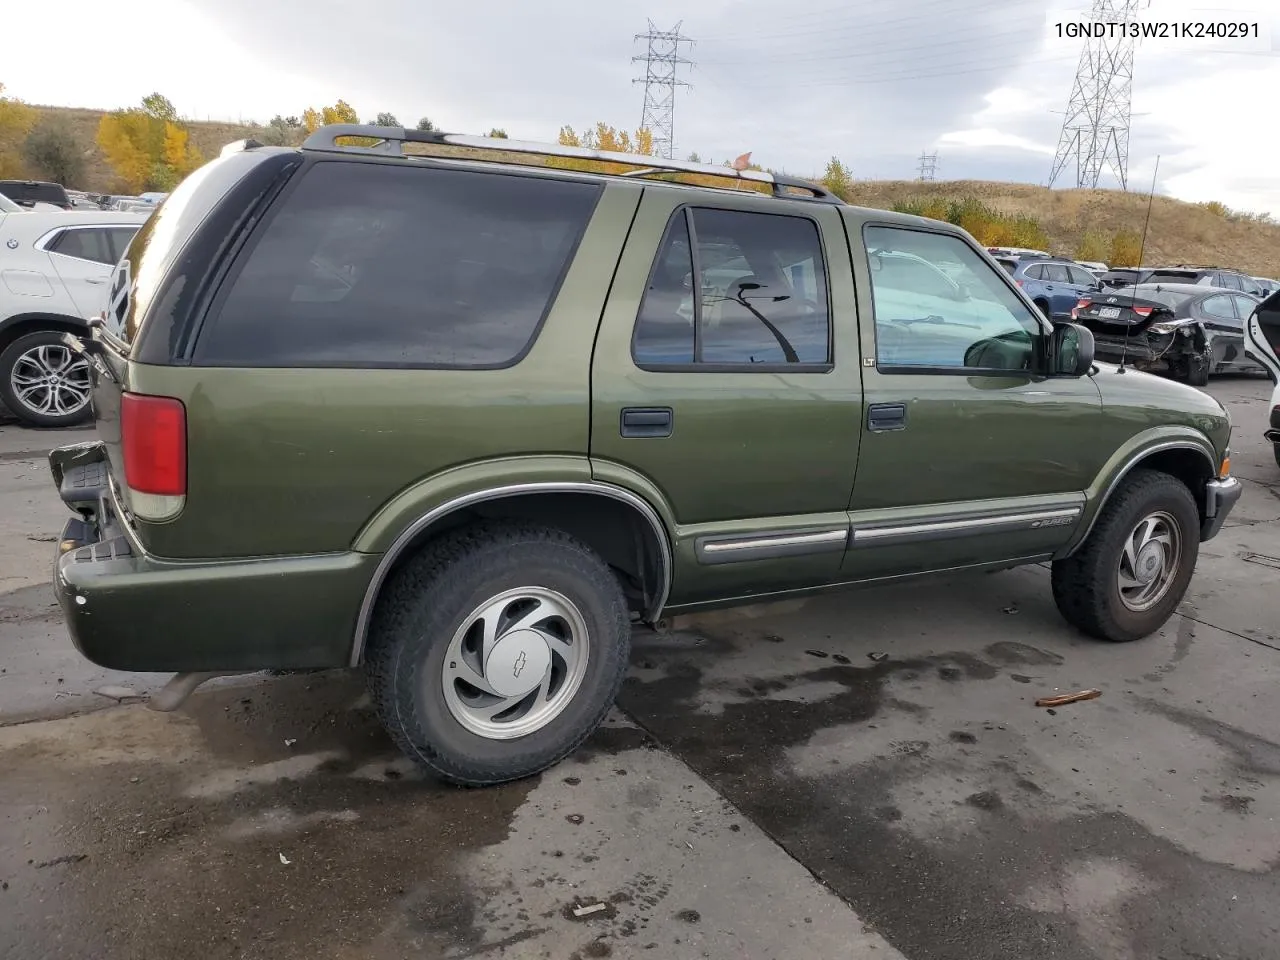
(487, 571)
(1174, 499)
(9, 358)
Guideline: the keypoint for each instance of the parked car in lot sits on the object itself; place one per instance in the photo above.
(54, 273)
(1205, 276)
(1183, 329)
(1266, 285)
(1262, 341)
(36, 194)
(1123, 277)
(1055, 286)
(1095, 267)
(559, 405)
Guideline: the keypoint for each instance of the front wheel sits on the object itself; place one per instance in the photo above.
(496, 651)
(43, 382)
(1128, 577)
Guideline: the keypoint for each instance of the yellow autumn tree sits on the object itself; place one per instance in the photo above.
(147, 147)
(340, 112)
(604, 137)
(16, 121)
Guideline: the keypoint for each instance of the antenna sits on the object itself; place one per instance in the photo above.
(1142, 246)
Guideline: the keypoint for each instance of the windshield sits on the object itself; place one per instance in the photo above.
(8, 206)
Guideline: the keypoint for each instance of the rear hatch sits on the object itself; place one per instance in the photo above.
(159, 285)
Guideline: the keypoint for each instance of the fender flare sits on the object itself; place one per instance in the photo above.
(591, 487)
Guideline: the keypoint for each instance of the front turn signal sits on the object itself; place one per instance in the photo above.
(1224, 471)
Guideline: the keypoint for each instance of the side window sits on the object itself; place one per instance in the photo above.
(1056, 273)
(393, 265)
(1081, 277)
(119, 238)
(732, 288)
(1218, 307)
(962, 317)
(1035, 272)
(1244, 307)
(1234, 281)
(85, 243)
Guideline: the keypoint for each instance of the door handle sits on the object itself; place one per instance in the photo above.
(886, 417)
(95, 280)
(646, 422)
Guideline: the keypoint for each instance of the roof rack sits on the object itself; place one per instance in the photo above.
(391, 141)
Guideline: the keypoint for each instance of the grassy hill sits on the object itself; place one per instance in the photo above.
(1180, 232)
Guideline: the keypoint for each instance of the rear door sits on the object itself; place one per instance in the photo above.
(726, 384)
(83, 257)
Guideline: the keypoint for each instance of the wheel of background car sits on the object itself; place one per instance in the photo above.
(1196, 371)
(1128, 577)
(496, 651)
(43, 382)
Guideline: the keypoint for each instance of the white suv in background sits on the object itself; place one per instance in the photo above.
(55, 268)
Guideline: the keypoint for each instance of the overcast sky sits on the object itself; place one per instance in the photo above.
(982, 83)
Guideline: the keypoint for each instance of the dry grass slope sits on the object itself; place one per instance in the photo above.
(1180, 232)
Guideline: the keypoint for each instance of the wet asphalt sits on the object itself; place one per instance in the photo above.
(864, 776)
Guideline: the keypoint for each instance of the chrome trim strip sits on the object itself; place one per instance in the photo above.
(641, 505)
(758, 546)
(941, 528)
(1123, 472)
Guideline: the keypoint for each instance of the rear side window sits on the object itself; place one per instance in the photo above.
(380, 265)
(86, 243)
(735, 289)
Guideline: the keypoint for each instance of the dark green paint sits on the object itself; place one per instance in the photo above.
(300, 480)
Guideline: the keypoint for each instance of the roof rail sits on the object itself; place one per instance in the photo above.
(391, 140)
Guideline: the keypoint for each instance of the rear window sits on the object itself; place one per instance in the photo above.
(26, 193)
(380, 265)
(1172, 276)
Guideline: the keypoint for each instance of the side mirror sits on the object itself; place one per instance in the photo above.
(1070, 350)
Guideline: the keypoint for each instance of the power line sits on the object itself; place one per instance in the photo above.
(1095, 131)
(662, 60)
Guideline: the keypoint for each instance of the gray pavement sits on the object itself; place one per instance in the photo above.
(766, 789)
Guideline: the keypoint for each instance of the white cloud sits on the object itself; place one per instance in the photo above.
(983, 137)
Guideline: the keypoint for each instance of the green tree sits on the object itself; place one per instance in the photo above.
(16, 121)
(838, 179)
(497, 133)
(51, 151)
(694, 158)
(386, 120)
(426, 126)
(160, 107)
(1126, 249)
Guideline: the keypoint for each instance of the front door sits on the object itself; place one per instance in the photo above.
(83, 258)
(726, 386)
(970, 454)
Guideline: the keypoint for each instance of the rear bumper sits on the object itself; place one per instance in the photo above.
(127, 610)
(1220, 496)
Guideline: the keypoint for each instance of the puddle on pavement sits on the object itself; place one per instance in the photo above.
(926, 784)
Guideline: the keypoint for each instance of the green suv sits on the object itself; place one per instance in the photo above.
(467, 421)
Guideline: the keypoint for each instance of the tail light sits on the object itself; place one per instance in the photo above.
(153, 434)
(1019, 282)
(1143, 312)
(1081, 304)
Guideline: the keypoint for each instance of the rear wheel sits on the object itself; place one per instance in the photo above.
(1127, 579)
(496, 651)
(43, 382)
(1043, 307)
(1195, 371)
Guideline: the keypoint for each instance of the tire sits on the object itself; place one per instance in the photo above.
(1196, 371)
(1275, 450)
(1086, 585)
(24, 359)
(1043, 307)
(415, 642)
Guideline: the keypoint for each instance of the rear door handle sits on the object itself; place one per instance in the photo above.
(884, 417)
(646, 422)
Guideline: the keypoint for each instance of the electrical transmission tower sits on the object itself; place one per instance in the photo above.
(928, 166)
(661, 61)
(1095, 131)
